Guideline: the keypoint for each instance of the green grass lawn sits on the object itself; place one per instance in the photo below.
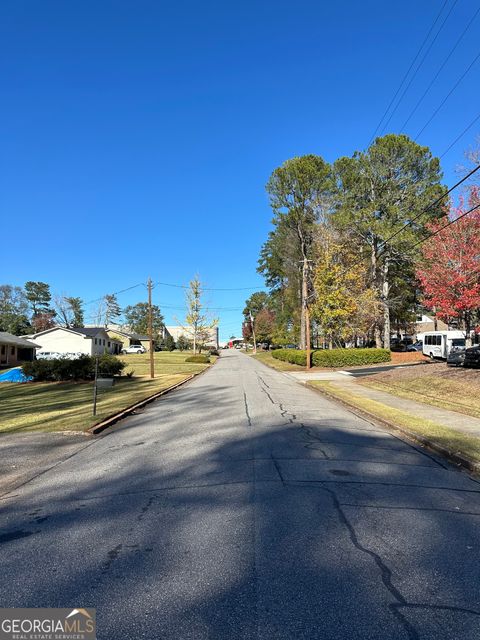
(65, 406)
(453, 440)
(456, 395)
(165, 362)
(267, 358)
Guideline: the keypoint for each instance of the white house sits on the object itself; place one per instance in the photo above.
(89, 340)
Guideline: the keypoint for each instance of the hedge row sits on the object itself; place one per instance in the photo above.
(199, 359)
(349, 357)
(82, 368)
(334, 357)
(291, 355)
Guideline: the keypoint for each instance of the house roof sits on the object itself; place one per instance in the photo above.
(88, 332)
(9, 338)
(135, 336)
(91, 332)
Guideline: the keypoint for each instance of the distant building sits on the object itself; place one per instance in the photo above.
(424, 323)
(176, 331)
(234, 341)
(14, 349)
(129, 339)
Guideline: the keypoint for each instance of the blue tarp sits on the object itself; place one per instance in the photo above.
(14, 375)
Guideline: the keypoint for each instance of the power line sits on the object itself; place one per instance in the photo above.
(440, 69)
(178, 286)
(460, 135)
(408, 71)
(115, 293)
(449, 224)
(432, 204)
(447, 96)
(406, 225)
(167, 306)
(184, 286)
(420, 65)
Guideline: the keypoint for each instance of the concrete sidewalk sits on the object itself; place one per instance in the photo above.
(445, 417)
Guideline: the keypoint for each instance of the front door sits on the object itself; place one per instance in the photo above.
(3, 354)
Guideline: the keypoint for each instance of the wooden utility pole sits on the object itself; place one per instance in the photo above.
(95, 389)
(306, 310)
(150, 327)
(253, 332)
(307, 333)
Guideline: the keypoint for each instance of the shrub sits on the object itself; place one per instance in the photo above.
(333, 357)
(109, 365)
(293, 356)
(214, 352)
(170, 343)
(82, 368)
(199, 359)
(349, 357)
(183, 343)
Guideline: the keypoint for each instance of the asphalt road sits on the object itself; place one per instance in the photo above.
(245, 505)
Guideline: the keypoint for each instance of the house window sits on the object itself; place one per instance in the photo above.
(4, 349)
(104, 342)
(12, 351)
(108, 344)
(95, 341)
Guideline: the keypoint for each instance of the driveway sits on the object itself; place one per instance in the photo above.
(245, 505)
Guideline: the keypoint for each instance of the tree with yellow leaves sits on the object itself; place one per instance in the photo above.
(344, 307)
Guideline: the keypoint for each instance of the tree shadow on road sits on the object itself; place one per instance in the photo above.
(294, 531)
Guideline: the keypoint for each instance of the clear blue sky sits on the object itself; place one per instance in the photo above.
(137, 137)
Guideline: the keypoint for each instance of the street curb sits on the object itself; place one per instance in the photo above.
(452, 456)
(101, 426)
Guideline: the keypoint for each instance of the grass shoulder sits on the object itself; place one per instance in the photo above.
(458, 442)
(67, 406)
(434, 384)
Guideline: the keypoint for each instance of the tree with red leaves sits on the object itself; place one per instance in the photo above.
(264, 325)
(43, 320)
(247, 330)
(449, 273)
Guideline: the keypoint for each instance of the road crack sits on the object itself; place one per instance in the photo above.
(247, 413)
(385, 571)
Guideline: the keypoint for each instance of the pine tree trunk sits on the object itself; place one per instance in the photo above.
(374, 265)
(303, 315)
(386, 308)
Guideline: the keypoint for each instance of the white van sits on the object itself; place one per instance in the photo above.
(437, 344)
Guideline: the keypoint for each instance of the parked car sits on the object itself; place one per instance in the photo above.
(400, 344)
(472, 356)
(456, 357)
(49, 355)
(135, 348)
(416, 346)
